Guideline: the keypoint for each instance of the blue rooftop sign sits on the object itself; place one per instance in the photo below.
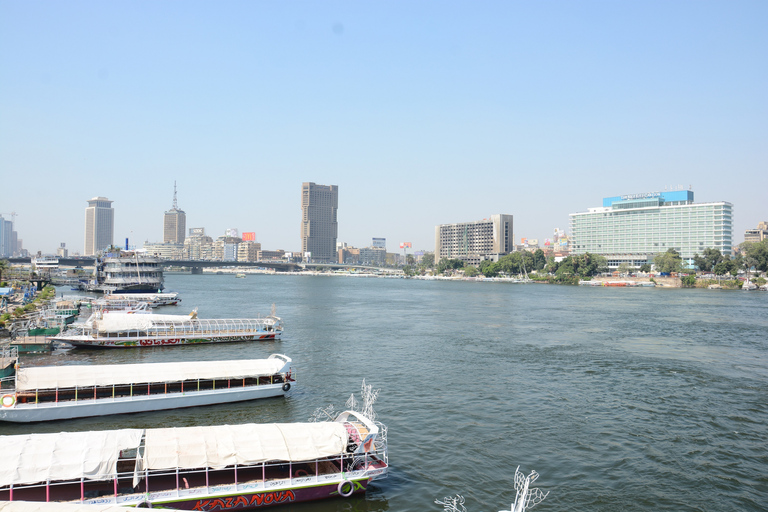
(666, 197)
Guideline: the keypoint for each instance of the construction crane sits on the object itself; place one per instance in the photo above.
(13, 216)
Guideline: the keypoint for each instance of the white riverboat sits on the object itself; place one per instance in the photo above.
(121, 329)
(152, 299)
(223, 467)
(76, 391)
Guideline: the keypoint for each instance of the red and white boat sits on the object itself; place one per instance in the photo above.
(222, 467)
(121, 329)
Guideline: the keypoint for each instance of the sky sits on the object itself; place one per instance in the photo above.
(421, 112)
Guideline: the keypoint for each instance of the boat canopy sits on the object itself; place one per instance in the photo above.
(41, 506)
(71, 376)
(226, 445)
(121, 322)
(33, 458)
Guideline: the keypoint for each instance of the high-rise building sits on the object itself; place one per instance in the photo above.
(319, 227)
(99, 225)
(8, 238)
(475, 241)
(634, 228)
(757, 235)
(174, 223)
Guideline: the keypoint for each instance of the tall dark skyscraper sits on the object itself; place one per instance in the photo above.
(319, 227)
(174, 223)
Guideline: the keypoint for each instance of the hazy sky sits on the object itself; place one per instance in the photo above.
(422, 112)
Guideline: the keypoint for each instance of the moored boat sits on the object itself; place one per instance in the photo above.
(152, 299)
(120, 329)
(127, 273)
(77, 391)
(221, 467)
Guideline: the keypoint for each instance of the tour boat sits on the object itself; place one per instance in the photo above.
(118, 329)
(76, 391)
(222, 467)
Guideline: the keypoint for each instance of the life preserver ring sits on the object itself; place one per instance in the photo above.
(344, 483)
(286, 386)
(8, 400)
(300, 473)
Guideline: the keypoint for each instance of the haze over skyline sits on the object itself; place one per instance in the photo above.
(422, 113)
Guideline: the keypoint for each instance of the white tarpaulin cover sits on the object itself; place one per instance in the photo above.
(119, 321)
(37, 458)
(224, 445)
(51, 377)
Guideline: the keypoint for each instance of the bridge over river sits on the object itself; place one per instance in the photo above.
(198, 265)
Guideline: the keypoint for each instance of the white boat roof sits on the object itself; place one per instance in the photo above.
(225, 445)
(117, 321)
(35, 458)
(70, 376)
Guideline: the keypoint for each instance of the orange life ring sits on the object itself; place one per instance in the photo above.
(8, 400)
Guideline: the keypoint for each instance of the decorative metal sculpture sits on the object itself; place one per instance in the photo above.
(368, 396)
(452, 503)
(526, 497)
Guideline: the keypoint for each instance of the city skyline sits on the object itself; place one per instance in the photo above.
(422, 116)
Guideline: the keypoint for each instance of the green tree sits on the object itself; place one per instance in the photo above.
(409, 259)
(708, 261)
(758, 252)
(489, 268)
(668, 262)
(645, 267)
(624, 268)
(428, 260)
(688, 281)
(449, 264)
(470, 271)
(552, 265)
(539, 260)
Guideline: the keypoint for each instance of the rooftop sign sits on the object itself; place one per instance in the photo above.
(645, 195)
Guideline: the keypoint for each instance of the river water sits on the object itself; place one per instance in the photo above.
(621, 399)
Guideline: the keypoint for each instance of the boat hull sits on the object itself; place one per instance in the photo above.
(296, 493)
(85, 341)
(24, 413)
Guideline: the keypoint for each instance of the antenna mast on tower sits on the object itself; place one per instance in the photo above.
(175, 205)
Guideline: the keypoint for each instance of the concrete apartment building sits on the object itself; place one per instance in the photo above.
(634, 228)
(757, 235)
(319, 226)
(198, 245)
(174, 223)
(475, 241)
(99, 225)
(248, 251)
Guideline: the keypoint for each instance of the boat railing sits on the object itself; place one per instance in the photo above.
(137, 390)
(130, 484)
